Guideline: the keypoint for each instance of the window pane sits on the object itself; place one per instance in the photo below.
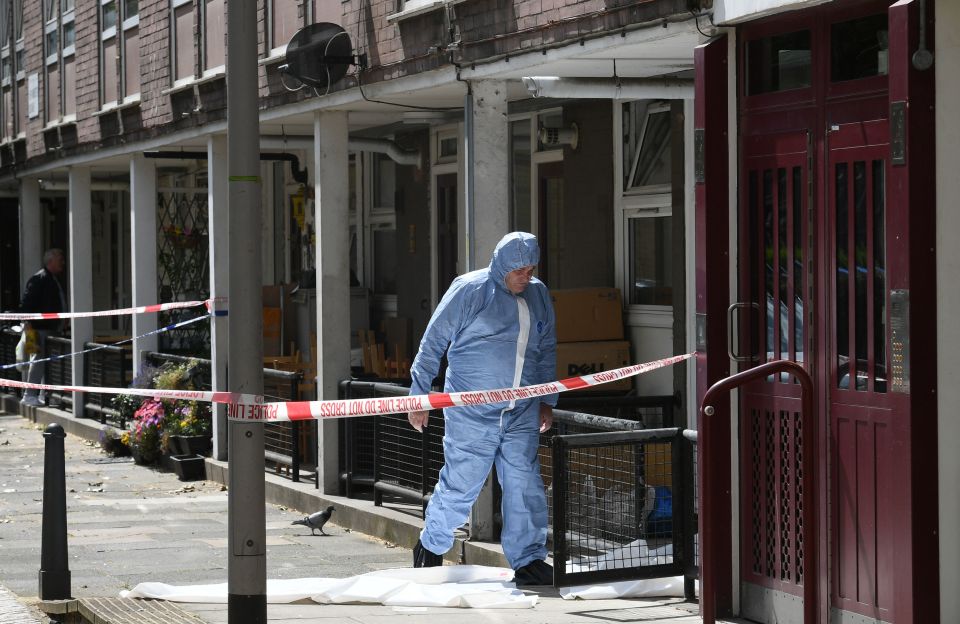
(520, 174)
(110, 77)
(69, 34)
(109, 15)
(5, 68)
(783, 270)
(385, 262)
(858, 48)
(778, 63)
(53, 92)
(768, 263)
(448, 147)
(216, 41)
(130, 8)
(879, 279)
(384, 182)
(6, 25)
(67, 5)
(285, 21)
(17, 19)
(51, 43)
(798, 262)
(131, 61)
(843, 330)
(651, 273)
(183, 16)
(653, 162)
(69, 86)
(49, 9)
(860, 270)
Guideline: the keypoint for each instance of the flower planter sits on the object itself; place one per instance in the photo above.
(190, 445)
(189, 467)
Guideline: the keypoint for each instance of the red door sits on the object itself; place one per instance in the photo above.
(774, 283)
(862, 400)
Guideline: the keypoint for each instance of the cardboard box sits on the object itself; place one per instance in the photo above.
(585, 358)
(588, 314)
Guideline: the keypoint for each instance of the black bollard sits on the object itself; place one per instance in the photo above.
(54, 573)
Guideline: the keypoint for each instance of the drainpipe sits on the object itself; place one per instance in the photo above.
(468, 177)
(355, 144)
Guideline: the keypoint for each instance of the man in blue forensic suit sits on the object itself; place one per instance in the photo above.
(497, 327)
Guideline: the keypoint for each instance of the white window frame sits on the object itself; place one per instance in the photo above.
(636, 203)
(217, 70)
(177, 83)
(419, 7)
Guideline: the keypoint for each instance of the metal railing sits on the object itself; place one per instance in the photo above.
(711, 562)
(107, 367)
(623, 506)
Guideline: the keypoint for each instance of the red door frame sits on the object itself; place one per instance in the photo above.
(711, 141)
(912, 187)
(910, 183)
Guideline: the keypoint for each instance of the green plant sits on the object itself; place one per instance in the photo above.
(189, 418)
(112, 442)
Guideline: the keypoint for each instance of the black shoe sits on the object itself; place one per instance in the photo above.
(537, 572)
(423, 558)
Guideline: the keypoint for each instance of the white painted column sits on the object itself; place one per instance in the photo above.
(948, 301)
(488, 174)
(333, 279)
(488, 148)
(80, 269)
(143, 252)
(31, 230)
(217, 230)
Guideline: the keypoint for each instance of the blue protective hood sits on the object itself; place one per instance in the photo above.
(514, 251)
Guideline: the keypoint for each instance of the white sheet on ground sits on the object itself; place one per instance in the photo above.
(623, 557)
(467, 586)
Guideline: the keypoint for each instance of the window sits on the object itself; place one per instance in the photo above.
(181, 29)
(7, 92)
(646, 202)
(119, 50)
(284, 22)
(650, 272)
(214, 36)
(59, 35)
(779, 63)
(858, 48)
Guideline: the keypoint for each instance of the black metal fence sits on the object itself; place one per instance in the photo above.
(623, 506)
(385, 452)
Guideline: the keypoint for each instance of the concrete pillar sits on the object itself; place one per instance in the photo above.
(143, 252)
(488, 217)
(333, 279)
(80, 269)
(31, 230)
(488, 148)
(219, 276)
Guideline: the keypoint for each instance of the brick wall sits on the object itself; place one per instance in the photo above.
(487, 28)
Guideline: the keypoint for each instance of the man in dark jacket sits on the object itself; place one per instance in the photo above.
(44, 293)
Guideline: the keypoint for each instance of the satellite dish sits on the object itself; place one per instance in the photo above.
(319, 55)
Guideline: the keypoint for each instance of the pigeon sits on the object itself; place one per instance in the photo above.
(316, 520)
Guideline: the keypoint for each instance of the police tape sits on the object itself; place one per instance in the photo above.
(63, 356)
(251, 408)
(157, 307)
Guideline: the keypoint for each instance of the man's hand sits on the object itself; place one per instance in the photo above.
(418, 420)
(546, 417)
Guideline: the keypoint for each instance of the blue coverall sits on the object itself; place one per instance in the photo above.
(496, 339)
